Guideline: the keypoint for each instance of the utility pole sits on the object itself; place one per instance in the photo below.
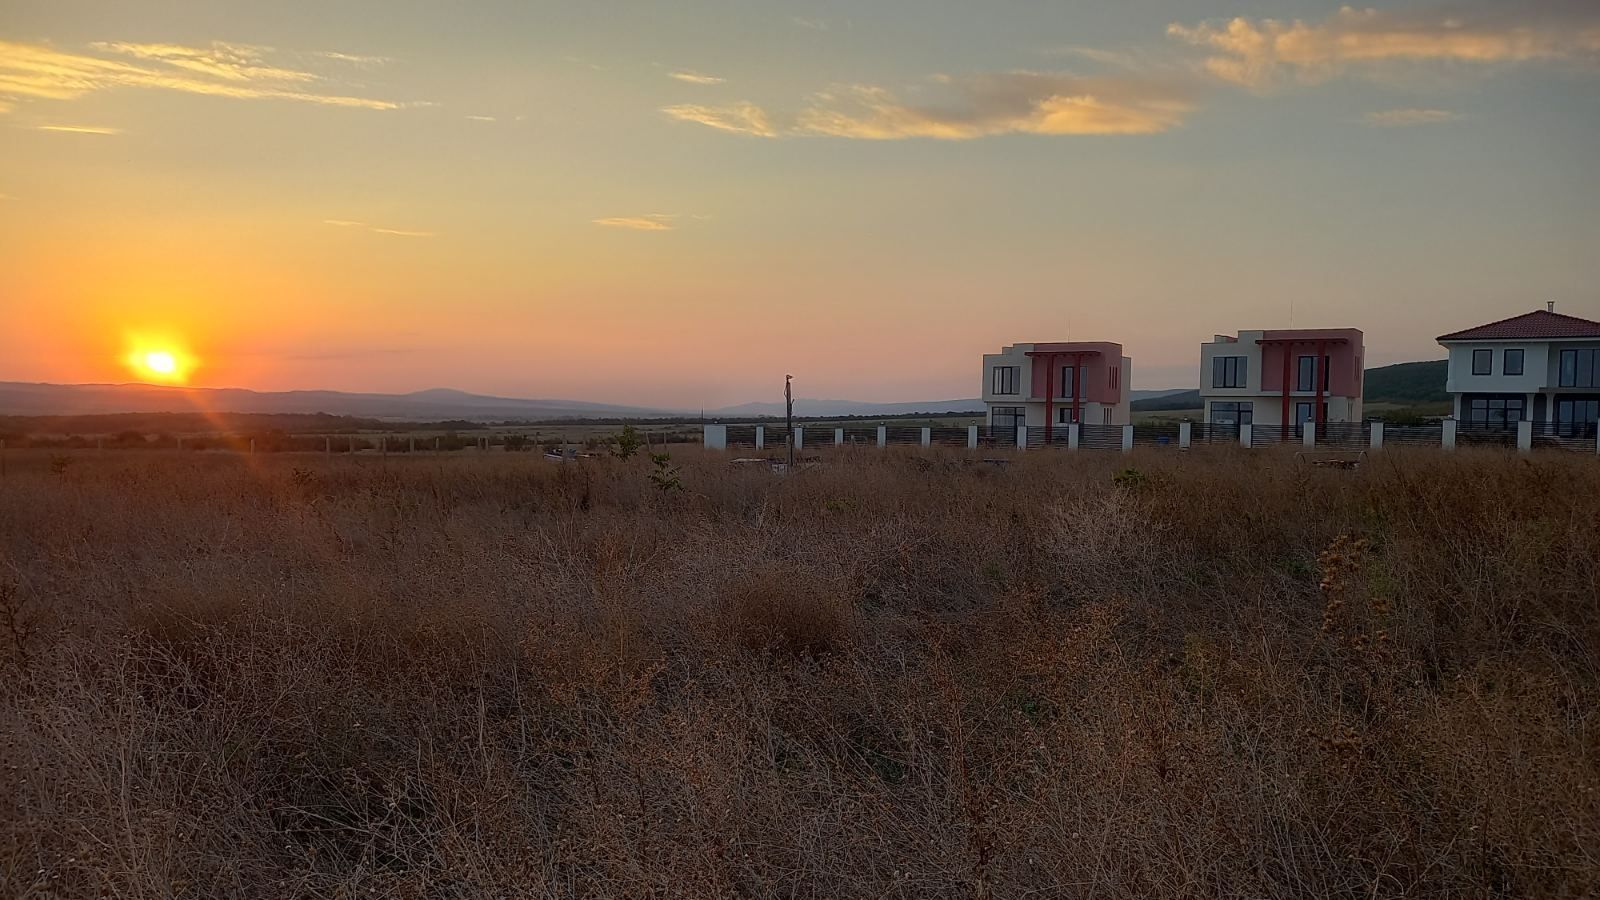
(788, 417)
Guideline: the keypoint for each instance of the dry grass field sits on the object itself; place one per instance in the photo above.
(893, 675)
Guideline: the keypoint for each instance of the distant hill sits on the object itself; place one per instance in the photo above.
(807, 406)
(1407, 383)
(1403, 384)
(23, 399)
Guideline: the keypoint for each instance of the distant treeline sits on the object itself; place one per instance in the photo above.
(216, 423)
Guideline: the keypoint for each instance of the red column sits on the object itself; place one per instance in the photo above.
(1318, 373)
(1288, 356)
(1049, 396)
(1077, 389)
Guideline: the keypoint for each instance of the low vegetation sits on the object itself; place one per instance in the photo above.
(890, 675)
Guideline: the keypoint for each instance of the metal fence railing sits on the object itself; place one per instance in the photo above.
(1413, 435)
(1565, 435)
(1157, 434)
(1210, 433)
(948, 437)
(1475, 435)
(1100, 437)
(1343, 435)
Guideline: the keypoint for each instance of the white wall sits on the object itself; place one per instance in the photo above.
(1246, 347)
(1538, 368)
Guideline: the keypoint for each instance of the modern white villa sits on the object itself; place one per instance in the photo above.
(1275, 381)
(1542, 367)
(1053, 385)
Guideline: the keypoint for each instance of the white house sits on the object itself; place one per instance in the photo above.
(1277, 380)
(1052, 385)
(1541, 366)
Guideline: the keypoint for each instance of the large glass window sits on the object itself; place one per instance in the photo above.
(1483, 362)
(1513, 362)
(1006, 379)
(1496, 412)
(1577, 416)
(1069, 380)
(1229, 371)
(1232, 413)
(1578, 368)
(1005, 419)
(1306, 374)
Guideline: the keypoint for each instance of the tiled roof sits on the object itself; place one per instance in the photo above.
(1534, 325)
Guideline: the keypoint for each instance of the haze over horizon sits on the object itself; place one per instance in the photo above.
(673, 207)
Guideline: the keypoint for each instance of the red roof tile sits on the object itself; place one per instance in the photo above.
(1534, 325)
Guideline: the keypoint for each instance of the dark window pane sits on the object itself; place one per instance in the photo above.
(1482, 362)
(1513, 364)
(1569, 368)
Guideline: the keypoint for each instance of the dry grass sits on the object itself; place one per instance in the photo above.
(895, 676)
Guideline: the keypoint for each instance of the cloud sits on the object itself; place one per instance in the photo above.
(1400, 117)
(397, 232)
(740, 118)
(972, 107)
(483, 118)
(1261, 53)
(696, 78)
(79, 129)
(40, 71)
(1004, 103)
(652, 222)
(355, 59)
(813, 24)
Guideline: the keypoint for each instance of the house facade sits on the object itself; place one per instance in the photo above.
(1276, 381)
(1053, 385)
(1542, 366)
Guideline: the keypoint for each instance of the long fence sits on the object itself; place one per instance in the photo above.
(1326, 436)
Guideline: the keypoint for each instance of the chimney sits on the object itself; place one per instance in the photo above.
(1550, 306)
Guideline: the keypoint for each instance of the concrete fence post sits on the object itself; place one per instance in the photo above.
(1022, 437)
(1308, 434)
(327, 446)
(799, 436)
(927, 437)
(838, 437)
(761, 437)
(883, 435)
(1185, 434)
(1448, 436)
(1246, 438)
(972, 437)
(716, 437)
(1074, 434)
(252, 446)
(1376, 439)
(411, 446)
(1525, 435)
(1127, 437)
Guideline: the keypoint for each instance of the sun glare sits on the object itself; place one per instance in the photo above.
(163, 365)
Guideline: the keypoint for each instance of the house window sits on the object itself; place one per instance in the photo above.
(1483, 362)
(1232, 413)
(1105, 415)
(1577, 416)
(1496, 412)
(1578, 368)
(1005, 419)
(1229, 371)
(1069, 385)
(1513, 363)
(1306, 375)
(1064, 416)
(1116, 377)
(1006, 379)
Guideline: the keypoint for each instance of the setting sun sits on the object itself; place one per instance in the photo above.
(162, 365)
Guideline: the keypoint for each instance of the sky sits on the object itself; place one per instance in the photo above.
(678, 204)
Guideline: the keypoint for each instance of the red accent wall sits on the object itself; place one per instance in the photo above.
(1343, 346)
(1099, 359)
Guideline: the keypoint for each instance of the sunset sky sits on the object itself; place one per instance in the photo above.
(676, 203)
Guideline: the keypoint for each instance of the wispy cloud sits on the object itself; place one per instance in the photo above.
(696, 78)
(482, 118)
(397, 232)
(1390, 118)
(972, 107)
(1261, 53)
(652, 222)
(40, 71)
(355, 59)
(79, 129)
(740, 118)
(813, 24)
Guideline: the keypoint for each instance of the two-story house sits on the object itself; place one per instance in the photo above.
(1276, 381)
(1542, 366)
(1051, 385)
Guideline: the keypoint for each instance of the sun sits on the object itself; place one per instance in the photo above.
(160, 364)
